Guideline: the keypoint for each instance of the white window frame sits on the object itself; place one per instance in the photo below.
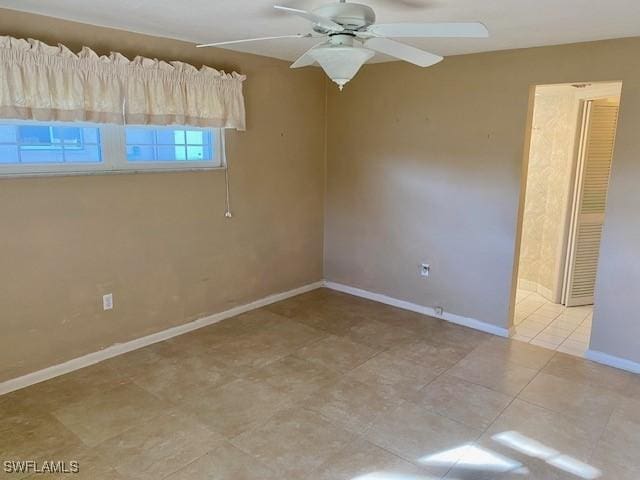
(114, 154)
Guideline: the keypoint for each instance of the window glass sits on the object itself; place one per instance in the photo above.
(168, 145)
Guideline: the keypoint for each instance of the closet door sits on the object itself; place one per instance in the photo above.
(600, 119)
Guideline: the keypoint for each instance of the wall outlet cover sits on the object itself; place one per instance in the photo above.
(107, 301)
(425, 269)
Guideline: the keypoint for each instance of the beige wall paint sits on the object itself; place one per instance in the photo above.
(549, 180)
(422, 165)
(160, 242)
(426, 165)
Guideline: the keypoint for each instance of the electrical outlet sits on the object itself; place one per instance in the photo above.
(439, 310)
(425, 269)
(107, 301)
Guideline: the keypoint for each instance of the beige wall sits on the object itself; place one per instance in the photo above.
(423, 165)
(160, 242)
(426, 165)
(549, 179)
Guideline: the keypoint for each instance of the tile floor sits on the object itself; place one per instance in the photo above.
(540, 322)
(326, 386)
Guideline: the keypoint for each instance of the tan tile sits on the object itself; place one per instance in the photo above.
(498, 375)
(175, 381)
(267, 342)
(364, 461)
(553, 346)
(539, 426)
(300, 304)
(462, 339)
(434, 357)
(352, 405)
(295, 377)
(473, 405)
(544, 338)
(505, 350)
(236, 406)
(417, 434)
(158, 447)
(581, 401)
(521, 337)
(30, 434)
(105, 414)
(620, 442)
(602, 459)
(294, 442)
(224, 463)
(393, 373)
(64, 389)
(378, 334)
(578, 349)
(89, 465)
(140, 361)
(577, 369)
(337, 353)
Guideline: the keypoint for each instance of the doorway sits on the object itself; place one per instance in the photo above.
(570, 153)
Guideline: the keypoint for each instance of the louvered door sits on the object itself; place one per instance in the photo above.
(594, 168)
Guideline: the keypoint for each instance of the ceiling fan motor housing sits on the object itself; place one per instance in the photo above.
(352, 16)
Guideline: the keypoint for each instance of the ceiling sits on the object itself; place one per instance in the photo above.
(512, 23)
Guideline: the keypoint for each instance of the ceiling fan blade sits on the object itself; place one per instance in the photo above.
(259, 39)
(403, 52)
(313, 18)
(455, 29)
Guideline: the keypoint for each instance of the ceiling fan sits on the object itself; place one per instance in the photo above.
(354, 37)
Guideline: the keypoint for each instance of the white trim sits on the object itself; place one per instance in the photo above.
(449, 317)
(120, 348)
(531, 286)
(612, 361)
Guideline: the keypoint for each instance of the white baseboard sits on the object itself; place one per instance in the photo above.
(612, 361)
(450, 317)
(120, 348)
(532, 286)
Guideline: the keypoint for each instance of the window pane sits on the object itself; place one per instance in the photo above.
(91, 136)
(171, 145)
(171, 154)
(197, 137)
(170, 136)
(86, 154)
(140, 153)
(142, 136)
(195, 153)
(34, 135)
(8, 154)
(45, 155)
(67, 135)
(7, 134)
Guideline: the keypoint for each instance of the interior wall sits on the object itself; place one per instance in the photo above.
(160, 242)
(549, 180)
(426, 165)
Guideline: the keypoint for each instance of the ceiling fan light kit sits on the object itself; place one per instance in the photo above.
(354, 37)
(341, 63)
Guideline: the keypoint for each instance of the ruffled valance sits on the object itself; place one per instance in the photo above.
(43, 82)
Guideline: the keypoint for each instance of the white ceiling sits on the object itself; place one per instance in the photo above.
(512, 23)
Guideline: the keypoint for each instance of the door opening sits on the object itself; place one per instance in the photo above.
(572, 138)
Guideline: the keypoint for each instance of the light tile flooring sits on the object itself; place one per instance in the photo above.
(325, 386)
(540, 322)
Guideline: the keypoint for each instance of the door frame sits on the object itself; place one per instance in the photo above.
(600, 89)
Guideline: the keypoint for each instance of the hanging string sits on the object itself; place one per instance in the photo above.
(227, 212)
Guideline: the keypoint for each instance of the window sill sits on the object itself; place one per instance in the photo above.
(127, 171)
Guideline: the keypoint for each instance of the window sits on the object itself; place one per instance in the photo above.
(46, 148)
(167, 145)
